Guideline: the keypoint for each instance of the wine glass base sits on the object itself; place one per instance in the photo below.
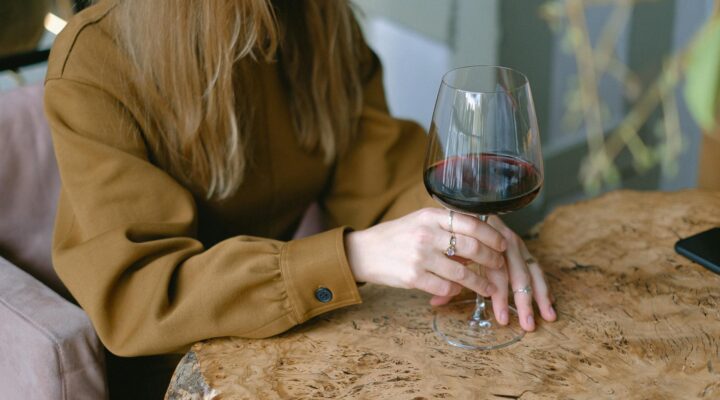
(453, 325)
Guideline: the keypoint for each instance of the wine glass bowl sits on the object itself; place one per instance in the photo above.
(509, 183)
(483, 158)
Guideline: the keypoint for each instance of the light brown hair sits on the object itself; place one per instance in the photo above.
(192, 59)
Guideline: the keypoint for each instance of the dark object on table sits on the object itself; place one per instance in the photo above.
(702, 248)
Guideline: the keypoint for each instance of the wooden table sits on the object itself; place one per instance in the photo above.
(636, 321)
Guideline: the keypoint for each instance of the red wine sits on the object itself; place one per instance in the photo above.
(483, 183)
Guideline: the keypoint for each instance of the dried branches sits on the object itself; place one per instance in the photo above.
(585, 107)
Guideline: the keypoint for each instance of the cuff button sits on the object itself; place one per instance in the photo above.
(323, 294)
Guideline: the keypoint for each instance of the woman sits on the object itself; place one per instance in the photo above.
(191, 136)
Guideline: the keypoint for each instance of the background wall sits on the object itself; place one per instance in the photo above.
(419, 40)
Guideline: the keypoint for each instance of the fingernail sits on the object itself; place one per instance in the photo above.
(503, 317)
(530, 321)
(552, 312)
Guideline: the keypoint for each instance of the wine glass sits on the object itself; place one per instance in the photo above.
(483, 158)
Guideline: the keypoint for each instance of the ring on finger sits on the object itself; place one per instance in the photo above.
(524, 290)
(450, 222)
(450, 251)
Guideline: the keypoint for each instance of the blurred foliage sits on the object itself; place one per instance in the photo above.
(584, 107)
(703, 76)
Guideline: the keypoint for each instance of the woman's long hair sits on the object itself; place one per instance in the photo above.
(192, 59)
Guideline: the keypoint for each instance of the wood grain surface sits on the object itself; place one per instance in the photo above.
(636, 321)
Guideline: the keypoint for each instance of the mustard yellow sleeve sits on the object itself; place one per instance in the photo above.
(125, 243)
(380, 178)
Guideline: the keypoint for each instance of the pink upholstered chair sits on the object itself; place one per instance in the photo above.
(48, 348)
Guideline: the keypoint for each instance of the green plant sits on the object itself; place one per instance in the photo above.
(702, 89)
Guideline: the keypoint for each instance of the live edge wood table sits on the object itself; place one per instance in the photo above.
(636, 321)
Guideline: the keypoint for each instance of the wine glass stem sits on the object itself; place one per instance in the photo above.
(479, 313)
(480, 318)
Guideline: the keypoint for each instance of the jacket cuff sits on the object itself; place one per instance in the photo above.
(317, 274)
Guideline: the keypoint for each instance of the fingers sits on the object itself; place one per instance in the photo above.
(460, 274)
(469, 248)
(499, 278)
(473, 227)
(440, 300)
(541, 293)
(436, 286)
(520, 278)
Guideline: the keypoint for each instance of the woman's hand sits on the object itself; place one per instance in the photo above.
(522, 271)
(410, 253)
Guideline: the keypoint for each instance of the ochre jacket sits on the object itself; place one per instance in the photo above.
(158, 267)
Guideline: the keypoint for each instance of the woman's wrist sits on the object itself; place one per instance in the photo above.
(353, 244)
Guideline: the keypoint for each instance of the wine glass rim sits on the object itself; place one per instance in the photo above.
(525, 81)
